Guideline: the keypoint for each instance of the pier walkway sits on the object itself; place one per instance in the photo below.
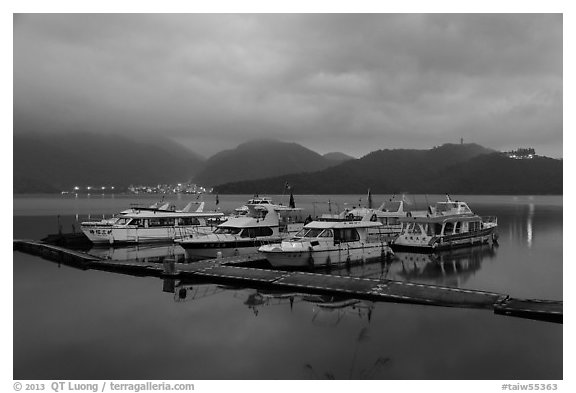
(232, 270)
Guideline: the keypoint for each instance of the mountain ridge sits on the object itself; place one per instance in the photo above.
(56, 162)
(259, 159)
(450, 168)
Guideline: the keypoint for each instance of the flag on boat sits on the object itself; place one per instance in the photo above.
(369, 199)
(291, 203)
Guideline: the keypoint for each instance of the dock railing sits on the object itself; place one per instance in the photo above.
(490, 220)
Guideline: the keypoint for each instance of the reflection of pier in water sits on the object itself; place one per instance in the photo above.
(328, 311)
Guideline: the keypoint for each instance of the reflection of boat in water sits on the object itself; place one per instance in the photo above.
(141, 253)
(149, 224)
(322, 243)
(449, 224)
(327, 310)
(448, 267)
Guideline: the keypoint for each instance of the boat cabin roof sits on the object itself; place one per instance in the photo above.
(440, 219)
(452, 206)
(170, 214)
(342, 224)
(259, 201)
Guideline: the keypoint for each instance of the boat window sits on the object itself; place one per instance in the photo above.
(437, 229)
(302, 232)
(189, 221)
(257, 232)
(393, 221)
(227, 231)
(474, 226)
(138, 222)
(414, 228)
(449, 228)
(160, 222)
(457, 227)
(122, 221)
(265, 231)
(346, 235)
(313, 232)
(327, 233)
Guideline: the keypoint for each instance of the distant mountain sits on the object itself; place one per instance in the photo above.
(260, 159)
(337, 157)
(51, 163)
(462, 169)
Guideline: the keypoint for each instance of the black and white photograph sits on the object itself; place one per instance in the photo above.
(287, 196)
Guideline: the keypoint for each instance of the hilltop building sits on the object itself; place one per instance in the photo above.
(524, 153)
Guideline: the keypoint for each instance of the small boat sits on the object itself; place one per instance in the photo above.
(441, 231)
(290, 217)
(239, 235)
(324, 243)
(265, 201)
(389, 214)
(150, 224)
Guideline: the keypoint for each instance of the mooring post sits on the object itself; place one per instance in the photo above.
(169, 267)
(168, 285)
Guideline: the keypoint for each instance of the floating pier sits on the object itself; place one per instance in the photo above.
(233, 270)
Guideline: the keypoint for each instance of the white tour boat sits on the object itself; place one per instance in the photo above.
(322, 243)
(237, 236)
(290, 216)
(150, 224)
(438, 231)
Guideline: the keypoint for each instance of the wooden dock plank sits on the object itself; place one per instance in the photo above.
(547, 310)
(345, 284)
(243, 273)
(439, 295)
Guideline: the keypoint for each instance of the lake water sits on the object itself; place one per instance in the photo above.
(73, 324)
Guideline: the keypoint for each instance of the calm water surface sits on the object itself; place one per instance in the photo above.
(72, 324)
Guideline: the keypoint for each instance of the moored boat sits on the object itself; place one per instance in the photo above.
(289, 216)
(322, 243)
(237, 236)
(150, 224)
(389, 214)
(437, 231)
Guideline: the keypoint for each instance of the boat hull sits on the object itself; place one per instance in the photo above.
(427, 243)
(199, 249)
(328, 257)
(108, 234)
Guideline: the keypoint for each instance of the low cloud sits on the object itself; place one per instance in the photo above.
(350, 83)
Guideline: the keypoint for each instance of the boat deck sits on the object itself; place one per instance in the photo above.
(230, 270)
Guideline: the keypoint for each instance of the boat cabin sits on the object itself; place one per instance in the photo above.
(252, 232)
(335, 232)
(450, 207)
(441, 226)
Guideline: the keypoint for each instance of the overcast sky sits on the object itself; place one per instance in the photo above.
(337, 82)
